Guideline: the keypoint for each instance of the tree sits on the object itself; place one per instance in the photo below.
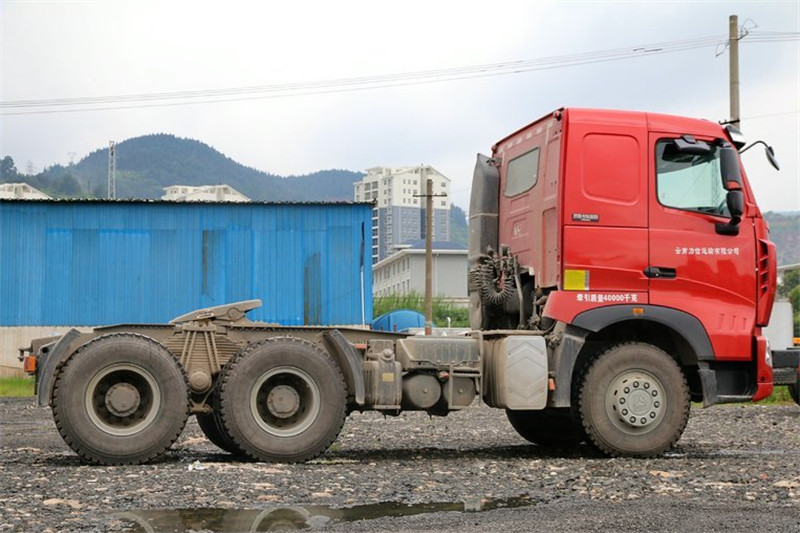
(459, 230)
(790, 289)
(791, 279)
(68, 185)
(8, 170)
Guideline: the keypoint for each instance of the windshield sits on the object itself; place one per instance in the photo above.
(690, 181)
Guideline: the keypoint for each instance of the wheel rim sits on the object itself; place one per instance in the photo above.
(285, 401)
(635, 401)
(123, 399)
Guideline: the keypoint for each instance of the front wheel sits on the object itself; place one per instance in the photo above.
(634, 401)
(283, 400)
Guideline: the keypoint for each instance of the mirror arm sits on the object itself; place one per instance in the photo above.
(769, 151)
(746, 148)
(727, 228)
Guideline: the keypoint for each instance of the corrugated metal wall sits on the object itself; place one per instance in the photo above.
(93, 263)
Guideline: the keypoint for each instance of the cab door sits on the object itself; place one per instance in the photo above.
(695, 265)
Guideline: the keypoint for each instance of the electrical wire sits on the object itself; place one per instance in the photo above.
(362, 83)
(769, 115)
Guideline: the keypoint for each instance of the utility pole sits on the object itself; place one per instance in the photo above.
(428, 249)
(112, 170)
(733, 45)
(428, 257)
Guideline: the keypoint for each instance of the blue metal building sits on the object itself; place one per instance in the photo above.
(97, 262)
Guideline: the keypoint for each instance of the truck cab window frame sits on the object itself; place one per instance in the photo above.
(688, 181)
(522, 173)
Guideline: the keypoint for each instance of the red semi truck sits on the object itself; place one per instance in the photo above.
(619, 269)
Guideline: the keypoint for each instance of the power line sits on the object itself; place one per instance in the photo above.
(361, 83)
(776, 114)
(345, 82)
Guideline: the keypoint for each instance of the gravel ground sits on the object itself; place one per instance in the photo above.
(737, 468)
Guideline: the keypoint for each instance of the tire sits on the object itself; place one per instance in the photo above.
(634, 401)
(212, 427)
(794, 392)
(121, 399)
(550, 428)
(211, 424)
(283, 400)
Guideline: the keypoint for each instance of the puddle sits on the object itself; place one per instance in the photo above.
(291, 517)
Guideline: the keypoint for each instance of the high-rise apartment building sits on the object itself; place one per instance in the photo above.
(399, 198)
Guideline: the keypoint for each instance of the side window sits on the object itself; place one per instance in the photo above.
(689, 181)
(522, 173)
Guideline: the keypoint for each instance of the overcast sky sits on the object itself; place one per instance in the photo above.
(51, 50)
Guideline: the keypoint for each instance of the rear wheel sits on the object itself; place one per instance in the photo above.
(121, 399)
(794, 392)
(634, 401)
(553, 428)
(212, 427)
(283, 400)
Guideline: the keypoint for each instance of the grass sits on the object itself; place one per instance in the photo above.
(16, 387)
(780, 395)
(442, 310)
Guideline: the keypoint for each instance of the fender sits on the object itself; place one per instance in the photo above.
(595, 320)
(349, 362)
(686, 325)
(50, 357)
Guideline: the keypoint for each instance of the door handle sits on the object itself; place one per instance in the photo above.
(660, 272)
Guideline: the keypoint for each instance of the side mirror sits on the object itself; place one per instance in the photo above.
(771, 157)
(729, 169)
(767, 150)
(735, 201)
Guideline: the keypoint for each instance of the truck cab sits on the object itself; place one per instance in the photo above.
(615, 227)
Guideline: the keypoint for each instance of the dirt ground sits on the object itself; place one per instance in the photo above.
(737, 468)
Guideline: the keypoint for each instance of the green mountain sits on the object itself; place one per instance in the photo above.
(146, 165)
(784, 231)
(459, 229)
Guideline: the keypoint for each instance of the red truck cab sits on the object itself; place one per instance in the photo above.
(622, 226)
